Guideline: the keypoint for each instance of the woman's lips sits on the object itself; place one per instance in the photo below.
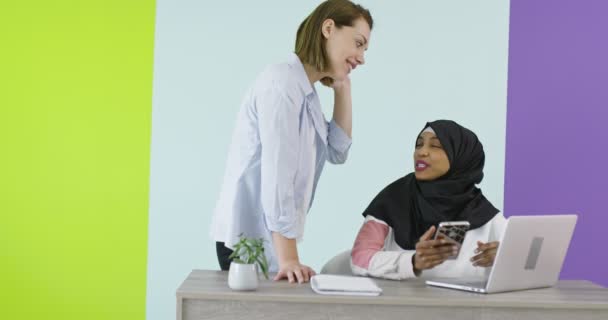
(421, 165)
(351, 66)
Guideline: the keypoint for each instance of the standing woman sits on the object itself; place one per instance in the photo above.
(282, 140)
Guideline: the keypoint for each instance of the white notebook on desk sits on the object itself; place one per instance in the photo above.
(344, 285)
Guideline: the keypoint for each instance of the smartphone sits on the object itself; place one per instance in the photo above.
(453, 231)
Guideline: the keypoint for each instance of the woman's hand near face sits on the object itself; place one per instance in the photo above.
(343, 106)
(486, 253)
(338, 85)
(431, 253)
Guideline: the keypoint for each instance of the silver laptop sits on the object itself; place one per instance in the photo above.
(530, 255)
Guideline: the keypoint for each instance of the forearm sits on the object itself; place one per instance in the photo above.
(368, 257)
(395, 265)
(285, 248)
(343, 108)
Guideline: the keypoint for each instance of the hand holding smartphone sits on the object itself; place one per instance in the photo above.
(453, 231)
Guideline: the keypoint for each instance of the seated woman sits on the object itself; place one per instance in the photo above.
(396, 239)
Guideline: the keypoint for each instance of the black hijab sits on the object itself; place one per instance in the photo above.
(410, 206)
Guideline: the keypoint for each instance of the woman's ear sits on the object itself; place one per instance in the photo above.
(327, 27)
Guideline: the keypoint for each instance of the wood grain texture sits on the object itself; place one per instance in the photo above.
(205, 295)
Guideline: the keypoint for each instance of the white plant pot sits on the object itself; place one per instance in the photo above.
(243, 276)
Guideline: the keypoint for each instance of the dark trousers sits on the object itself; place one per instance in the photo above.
(222, 255)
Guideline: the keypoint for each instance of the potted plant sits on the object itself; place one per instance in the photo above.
(248, 255)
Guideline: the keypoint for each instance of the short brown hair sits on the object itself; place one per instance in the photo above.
(310, 44)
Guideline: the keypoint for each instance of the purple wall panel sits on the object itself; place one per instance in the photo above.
(557, 117)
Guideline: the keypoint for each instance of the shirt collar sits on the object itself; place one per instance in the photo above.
(300, 73)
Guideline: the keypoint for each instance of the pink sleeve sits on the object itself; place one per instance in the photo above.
(370, 240)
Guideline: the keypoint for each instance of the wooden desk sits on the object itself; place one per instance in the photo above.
(205, 295)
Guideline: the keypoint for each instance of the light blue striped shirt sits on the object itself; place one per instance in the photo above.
(278, 150)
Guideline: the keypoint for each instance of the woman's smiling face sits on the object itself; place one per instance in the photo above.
(345, 46)
(430, 159)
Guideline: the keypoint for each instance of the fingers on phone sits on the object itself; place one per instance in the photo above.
(428, 234)
(488, 245)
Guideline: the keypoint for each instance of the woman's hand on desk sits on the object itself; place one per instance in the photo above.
(431, 253)
(294, 270)
(290, 267)
(486, 252)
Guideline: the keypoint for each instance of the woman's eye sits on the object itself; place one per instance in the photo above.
(359, 44)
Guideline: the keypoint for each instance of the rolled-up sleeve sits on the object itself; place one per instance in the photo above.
(338, 143)
(278, 119)
(369, 257)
